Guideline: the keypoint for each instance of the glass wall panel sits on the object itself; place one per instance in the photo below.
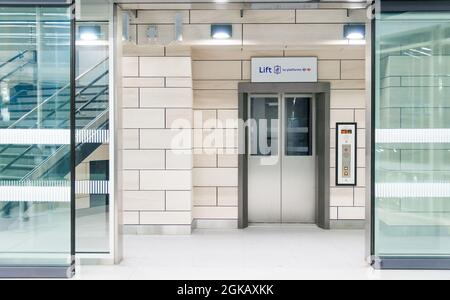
(35, 137)
(92, 152)
(412, 135)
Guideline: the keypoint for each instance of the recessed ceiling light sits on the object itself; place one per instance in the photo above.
(355, 31)
(221, 31)
(90, 33)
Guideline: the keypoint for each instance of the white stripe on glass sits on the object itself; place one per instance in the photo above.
(51, 136)
(87, 136)
(92, 187)
(35, 136)
(412, 136)
(34, 191)
(412, 190)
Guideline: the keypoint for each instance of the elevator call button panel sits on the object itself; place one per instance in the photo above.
(346, 154)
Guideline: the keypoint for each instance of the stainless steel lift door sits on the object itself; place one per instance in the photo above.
(264, 177)
(298, 178)
(281, 164)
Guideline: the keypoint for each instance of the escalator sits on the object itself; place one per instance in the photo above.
(39, 162)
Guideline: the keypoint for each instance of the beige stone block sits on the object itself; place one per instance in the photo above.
(174, 139)
(361, 177)
(141, 82)
(166, 66)
(333, 138)
(348, 84)
(341, 115)
(205, 119)
(333, 213)
(360, 118)
(293, 35)
(361, 138)
(249, 16)
(177, 50)
(130, 180)
(216, 84)
(133, 49)
(227, 196)
(331, 16)
(246, 70)
(360, 197)
(353, 69)
(130, 138)
(130, 66)
(216, 138)
(228, 118)
(143, 159)
(166, 97)
(205, 160)
(131, 218)
(235, 52)
(130, 97)
(348, 99)
(361, 157)
(341, 196)
(228, 160)
(205, 196)
(178, 117)
(215, 177)
(159, 16)
(215, 213)
(179, 200)
(329, 69)
(330, 52)
(351, 213)
(179, 159)
(332, 177)
(166, 180)
(333, 158)
(166, 218)
(143, 200)
(219, 99)
(143, 118)
(185, 82)
(216, 70)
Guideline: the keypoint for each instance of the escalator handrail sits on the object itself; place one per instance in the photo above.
(55, 94)
(14, 71)
(19, 55)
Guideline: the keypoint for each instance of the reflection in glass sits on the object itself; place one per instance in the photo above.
(264, 126)
(412, 147)
(298, 125)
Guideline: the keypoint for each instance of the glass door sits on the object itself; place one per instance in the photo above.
(36, 139)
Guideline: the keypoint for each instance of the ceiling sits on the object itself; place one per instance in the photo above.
(240, 4)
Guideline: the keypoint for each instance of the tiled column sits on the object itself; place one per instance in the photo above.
(158, 153)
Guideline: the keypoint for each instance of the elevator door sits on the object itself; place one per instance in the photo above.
(281, 171)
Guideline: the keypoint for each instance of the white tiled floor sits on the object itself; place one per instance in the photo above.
(260, 252)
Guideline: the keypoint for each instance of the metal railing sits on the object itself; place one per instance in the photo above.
(104, 91)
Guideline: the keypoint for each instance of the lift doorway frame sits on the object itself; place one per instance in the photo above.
(321, 91)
